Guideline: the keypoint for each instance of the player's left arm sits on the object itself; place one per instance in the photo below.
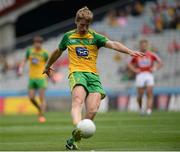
(158, 61)
(115, 45)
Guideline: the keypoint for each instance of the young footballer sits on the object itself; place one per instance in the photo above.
(37, 57)
(83, 45)
(144, 67)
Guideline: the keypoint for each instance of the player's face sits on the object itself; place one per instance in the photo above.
(82, 26)
(143, 46)
(37, 44)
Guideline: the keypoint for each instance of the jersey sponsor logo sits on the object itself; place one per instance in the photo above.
(82, 51)
(34, 60)
(73, 41)
(144, 62)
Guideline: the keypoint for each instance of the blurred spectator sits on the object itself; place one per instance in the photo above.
(168, 15)
(158, 22)
(153, 48)
(111, 18)
(128, 10)
(4, 63)
(117, 58)
(165, 15)
(128, 75)
(175, 23)
(137, 8)
(161, 5)
(63, 62)
(122, 19)
(174, 47)
(146, 30)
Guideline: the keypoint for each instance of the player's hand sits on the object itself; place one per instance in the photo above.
(48, 72)
(137, 71)
(154, 68)
(136, 53)
(20, 71)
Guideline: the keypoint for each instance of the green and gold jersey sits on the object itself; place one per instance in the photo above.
(82, 50)
(37, 60)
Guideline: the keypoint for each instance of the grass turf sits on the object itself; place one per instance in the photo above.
(115, 131)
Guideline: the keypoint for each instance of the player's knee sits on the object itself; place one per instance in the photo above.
(92, 111)
(77, 101)
(140, 96)
(32, 98)
(149, 94)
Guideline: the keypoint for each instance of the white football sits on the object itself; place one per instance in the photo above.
(87, 128)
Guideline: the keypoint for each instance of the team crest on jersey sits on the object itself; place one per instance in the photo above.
(90, 41)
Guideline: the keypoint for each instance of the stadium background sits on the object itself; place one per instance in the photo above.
(123, 20)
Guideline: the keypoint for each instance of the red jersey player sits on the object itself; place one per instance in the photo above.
(144, 67)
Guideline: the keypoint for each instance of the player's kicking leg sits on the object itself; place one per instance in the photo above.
(32, 93)
(92, 105)
(149, 92)
(140, 91)
(78, 98)
(42, 119)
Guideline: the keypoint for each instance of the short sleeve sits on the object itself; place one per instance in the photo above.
(132, 60)
(100, 40)
(27, 53)
(63, 43)
(156, 57)
(46, 55)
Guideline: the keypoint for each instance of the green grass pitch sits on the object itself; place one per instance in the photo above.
(115, 131)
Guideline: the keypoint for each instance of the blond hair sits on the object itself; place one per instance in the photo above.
(84, 13)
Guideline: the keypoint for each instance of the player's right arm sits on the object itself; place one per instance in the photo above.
(132, 67)
(55, 55)
(23, 62)
(21, 66)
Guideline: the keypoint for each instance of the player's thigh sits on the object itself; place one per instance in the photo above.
(93, 101)
(31, 93)
(150, 80)
(41, 84)
(94, 85)
(41, 93)
(140, 80)
(32, 84)
(78, 94)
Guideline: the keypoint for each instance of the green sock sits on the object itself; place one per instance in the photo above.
(71, 141)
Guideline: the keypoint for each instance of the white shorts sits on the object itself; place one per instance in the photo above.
(144, 79)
